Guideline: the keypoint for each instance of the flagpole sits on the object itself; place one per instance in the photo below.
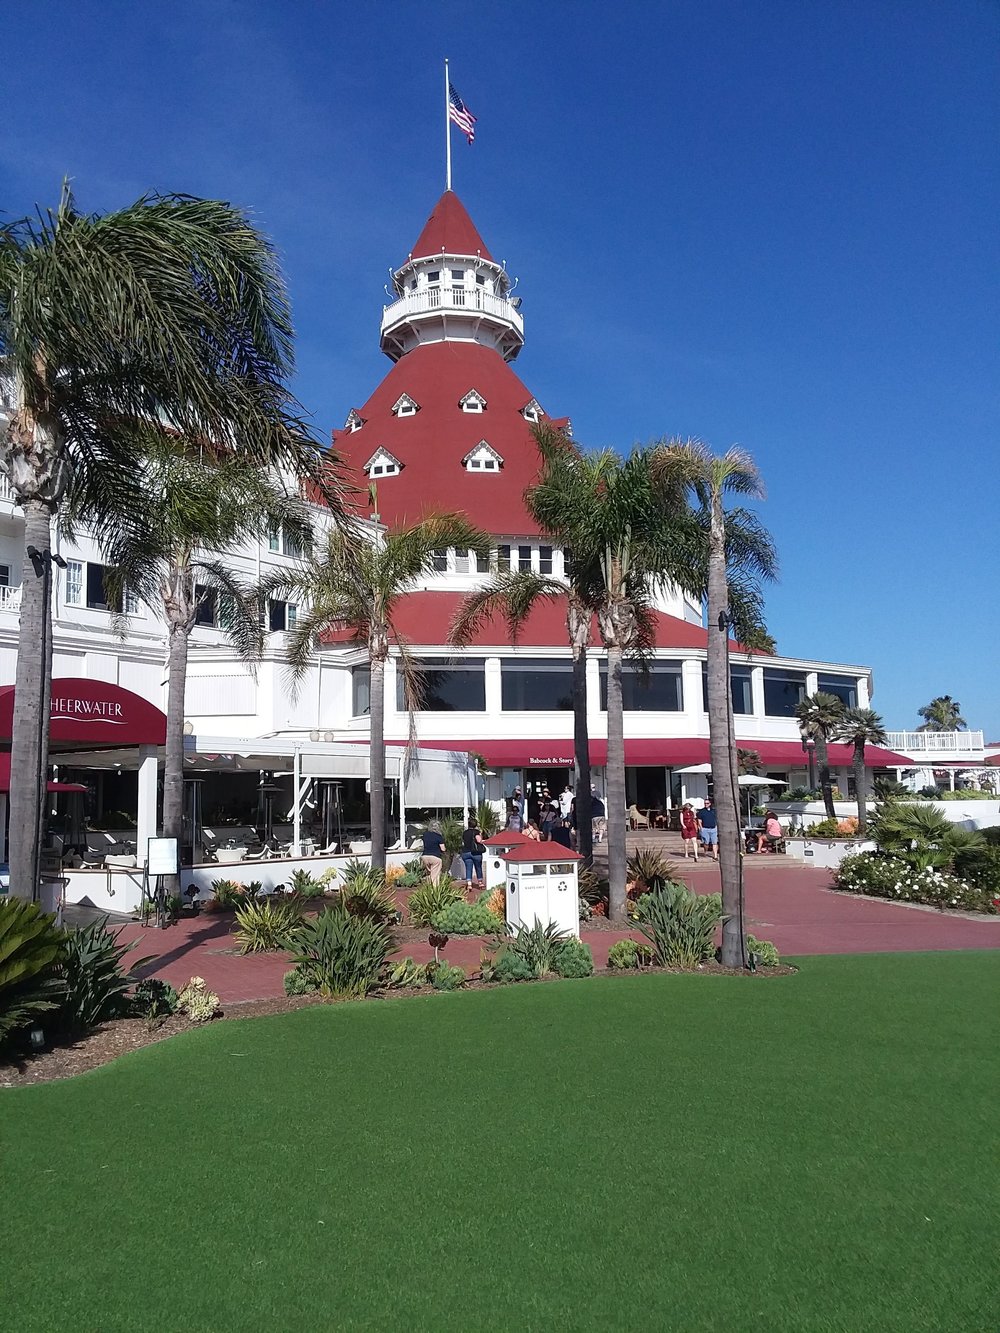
(447, 126)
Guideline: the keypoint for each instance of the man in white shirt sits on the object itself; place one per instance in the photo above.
(565, 801)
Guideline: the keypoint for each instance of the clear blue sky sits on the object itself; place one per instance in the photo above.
(772, 224)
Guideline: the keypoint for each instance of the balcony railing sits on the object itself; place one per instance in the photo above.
(10, 599)
(936, 742)
(6, 490)
(461, 300)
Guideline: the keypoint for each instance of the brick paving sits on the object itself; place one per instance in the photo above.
(787, 902)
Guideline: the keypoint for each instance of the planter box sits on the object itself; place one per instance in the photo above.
(826, 853)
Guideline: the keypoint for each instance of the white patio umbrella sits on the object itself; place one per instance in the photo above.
(695, 768)
(750, 780)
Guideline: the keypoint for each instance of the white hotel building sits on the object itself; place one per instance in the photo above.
(447, 427)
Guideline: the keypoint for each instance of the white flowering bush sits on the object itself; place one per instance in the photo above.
(881, 876)
(197, 1001)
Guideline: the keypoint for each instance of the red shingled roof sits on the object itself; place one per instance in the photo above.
(449, 228)
(432, 443)
(424, 619)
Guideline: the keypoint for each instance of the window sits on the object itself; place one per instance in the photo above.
(434, 275)
(99, 597)
(434, 292)
(472, 402)
(4, 576)
(483, 458)
(524, 558)
(206, 612)
(284, 543)
(281, 616)
(656, 691)
(405, 406)
(783, 690)
(845, 688)
(531, 411)
(461, 560)
(74, 582)
(382, 463)
(451, 685)
(545, 559)
(567, 563)
(482, 562)
(361, 691)
(439, 560)
(739, 679)
(131, 603)
(503, 558)
(353, 422)
(536, 685)
(458, 275)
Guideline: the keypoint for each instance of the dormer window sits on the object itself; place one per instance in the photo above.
(484, 458)
(532, 411)
(354, 421)
(382, 464)
(404, 406)
(472, 402)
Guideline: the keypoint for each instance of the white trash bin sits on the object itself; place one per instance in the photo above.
(543, 886)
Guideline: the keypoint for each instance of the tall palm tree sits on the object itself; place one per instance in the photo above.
(734, 556)
(943, 713)
(820, 716)
(355, 584)
(860, 727)
(169, 539)
(171, 310)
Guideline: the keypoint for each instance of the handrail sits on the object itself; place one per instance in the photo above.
(936, 742)
(447, 297)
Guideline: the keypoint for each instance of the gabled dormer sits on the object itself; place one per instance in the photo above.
(473, 401)
(382, 464)
(405, 406)
(354, 420)
(532, 411)
(483, 458)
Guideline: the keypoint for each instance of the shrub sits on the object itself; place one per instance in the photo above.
(197, 1001)
(445, 977)
(679, 924)
(248, 894)
(408, 880)
(592, 887)
(506, 967)
(627, 954)
(393, 874)
(487, 819)
(227, 892)
(462, 918)
(921, 835)
(305, 886)
(97, 985)
(881, 876)
(451, 835)
(538, 945)
(586, 911)
(496, 902)
(573, 959)
(31, 948)
(765, 951)
(427, 900)
(407, 974)
(267, 925)
(365, 894)
(341, 953)
(299, 982)
(415, 867)
(647, 864)
(991, 836)
(154, 999)
(823, 828)
(983, 872)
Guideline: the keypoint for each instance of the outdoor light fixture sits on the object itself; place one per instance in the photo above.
(37, 1039)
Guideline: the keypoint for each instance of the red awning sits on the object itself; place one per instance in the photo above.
(52, 786)
(93, 712)
(676, 752)
(789, 754)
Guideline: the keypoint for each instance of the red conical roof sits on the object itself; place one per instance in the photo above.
(450, 229)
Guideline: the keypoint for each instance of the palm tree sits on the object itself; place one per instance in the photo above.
(943, 713)
(820, 717)
(176, 508)
(355, 584)
(171, 310)
(734, 555)
(860, 727)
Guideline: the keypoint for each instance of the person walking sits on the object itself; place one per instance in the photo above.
(565, 800)
(598, 816)
(434, 852)
(708, 827)
(550, 817)
(689, 831)
(518, 815)
(472, 854)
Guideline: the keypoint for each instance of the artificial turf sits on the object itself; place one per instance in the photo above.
(643, 1152)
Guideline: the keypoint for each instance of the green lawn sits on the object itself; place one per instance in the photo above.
(647, 1152)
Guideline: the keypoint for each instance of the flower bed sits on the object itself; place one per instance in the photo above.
(879, 876)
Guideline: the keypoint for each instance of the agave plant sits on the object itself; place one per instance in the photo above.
(365, 892)
(538, 945)
(679, 924)
(96, 981)
(427, 900)
(487, 819)
(266, 926)
(31, 949)
(341, 954)
(646, 864)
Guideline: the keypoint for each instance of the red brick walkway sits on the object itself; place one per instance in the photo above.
(786, 903)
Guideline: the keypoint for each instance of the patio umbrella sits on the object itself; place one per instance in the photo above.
(695, 768)
(750, 780)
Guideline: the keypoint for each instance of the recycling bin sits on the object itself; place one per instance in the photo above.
(543, 886)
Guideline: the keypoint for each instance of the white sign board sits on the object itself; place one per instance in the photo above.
(161, 856)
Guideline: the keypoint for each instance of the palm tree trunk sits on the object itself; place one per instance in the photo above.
(173, 764)
(861, 786)
(825, 783)
(376, 771)
(617, 851)
(30, 733)
(722, 746)
(579, 632)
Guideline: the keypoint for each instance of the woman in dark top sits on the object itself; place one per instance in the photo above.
(472, 854)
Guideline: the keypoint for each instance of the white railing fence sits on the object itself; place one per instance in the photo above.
(6, 489)
(454, 298)
(10, 599)
(936, 742)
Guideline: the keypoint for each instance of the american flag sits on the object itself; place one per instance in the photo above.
(460, 114)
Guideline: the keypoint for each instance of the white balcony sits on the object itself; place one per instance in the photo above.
(943, 743)
(6, 489)
(10, 599)
(453, 305)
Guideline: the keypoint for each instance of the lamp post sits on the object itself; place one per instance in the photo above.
(41, 563)
(809, 746)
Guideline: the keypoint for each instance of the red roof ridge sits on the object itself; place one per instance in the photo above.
(449, 230)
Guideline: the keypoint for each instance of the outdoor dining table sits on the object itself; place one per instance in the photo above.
(228, 856)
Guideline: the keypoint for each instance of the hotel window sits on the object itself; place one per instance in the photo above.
(844, 688)
(503, 559)
(451, 685)
(739, 679)
(482, 560)
(439, 560)
(536, 685)
(99, 596)
(472, 402)
(461, 560)
(284, 543)
(656, 691)
(361, 691)
(4, 576)
(783, 691)
(74, 582)
(405, 406)
(531, 411)
(524, 558)
(281, 616)
(207, 599)
(545, 559)
(434, 290)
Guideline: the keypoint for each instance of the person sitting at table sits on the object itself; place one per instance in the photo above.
(771, 834)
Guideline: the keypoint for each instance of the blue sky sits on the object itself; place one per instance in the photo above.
(771, 224)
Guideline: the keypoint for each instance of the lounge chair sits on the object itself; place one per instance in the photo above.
(636, 819)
